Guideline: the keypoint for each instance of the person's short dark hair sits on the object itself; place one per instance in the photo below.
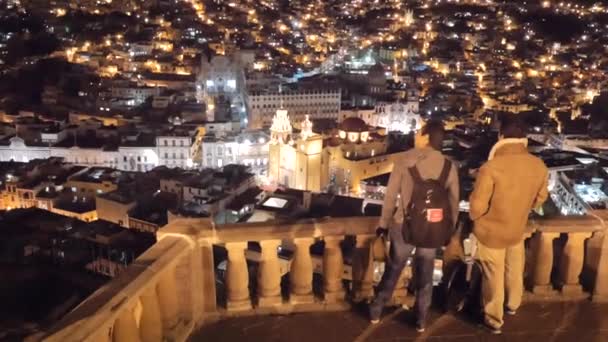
(511, 126)
(436, 133)
(433, 127)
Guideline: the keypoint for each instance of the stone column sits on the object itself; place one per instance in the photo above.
(571, 264)
(237, 277)
(363, 275)
(600, 289)
(333, 269)
(542, 245)
(300, 272)
(167, 297)
(125, 327)
(204, 258)
(269, 275)
(150, 324)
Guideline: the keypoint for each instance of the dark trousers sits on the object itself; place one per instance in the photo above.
(424, 264)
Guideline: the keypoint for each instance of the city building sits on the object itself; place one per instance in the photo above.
(249, 148)
(396, 117)
(221, 85)
(337, 162)
(175, 148)
(316, 103)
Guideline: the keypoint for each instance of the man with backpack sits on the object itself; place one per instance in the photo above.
(420, 211)
(507, 188)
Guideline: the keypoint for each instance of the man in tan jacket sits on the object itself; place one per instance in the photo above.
(507, 188)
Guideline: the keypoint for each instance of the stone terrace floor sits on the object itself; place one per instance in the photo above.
(535, 321)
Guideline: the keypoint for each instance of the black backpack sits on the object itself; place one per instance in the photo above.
(429, 223)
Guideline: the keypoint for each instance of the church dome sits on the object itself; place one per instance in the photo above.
(353, 125)
(353, 130)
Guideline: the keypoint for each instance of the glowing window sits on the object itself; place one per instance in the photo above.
(364, 136)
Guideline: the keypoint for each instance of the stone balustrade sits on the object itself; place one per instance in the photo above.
(156, 299)
(171, 289)
(580, 246)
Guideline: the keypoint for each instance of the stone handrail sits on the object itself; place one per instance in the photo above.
(143, 303)
(171, 289)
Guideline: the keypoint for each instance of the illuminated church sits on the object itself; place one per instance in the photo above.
(318, 162)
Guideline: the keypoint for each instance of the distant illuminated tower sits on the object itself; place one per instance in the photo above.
(408, 18)
(294, 162)
(278, 148)
(281, 129)
(306, 128)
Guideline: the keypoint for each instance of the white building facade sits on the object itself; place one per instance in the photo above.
(247, 148)
(87, 156)
(175, 151)
(137, 158)
(126, 158)
(18, 151)
(171, 151)
(222, 78)
(396, 116)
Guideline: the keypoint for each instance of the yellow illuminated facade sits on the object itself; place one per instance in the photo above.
(308, 161)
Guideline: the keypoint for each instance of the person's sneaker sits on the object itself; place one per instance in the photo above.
(491, 329)
(374, 320)
(510, 312)
(420, 328)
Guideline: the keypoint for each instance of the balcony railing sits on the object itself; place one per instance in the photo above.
(171, 289)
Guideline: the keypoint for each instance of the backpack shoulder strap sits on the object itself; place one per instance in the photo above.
(445, 173)
(415, 174)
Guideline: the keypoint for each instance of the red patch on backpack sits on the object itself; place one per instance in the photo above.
(434, 215)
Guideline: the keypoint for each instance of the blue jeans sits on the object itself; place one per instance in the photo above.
(424, 264)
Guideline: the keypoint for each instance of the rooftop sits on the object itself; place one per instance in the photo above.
(76, 207)
(97, 175)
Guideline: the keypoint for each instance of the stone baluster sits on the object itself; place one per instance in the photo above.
(125, 327)
(363, 275)
(204, 258)
(542, 245)
(333, 269)
(167, 297)
(300, 273)
(571, 264)
(150, 324)
(600, 288)
(237, 277)
(269, 275)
